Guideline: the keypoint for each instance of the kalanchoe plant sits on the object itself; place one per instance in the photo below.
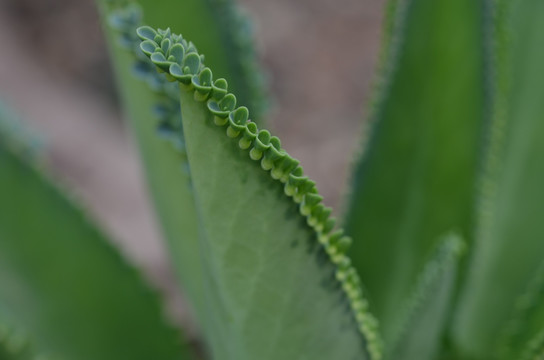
(445, 213)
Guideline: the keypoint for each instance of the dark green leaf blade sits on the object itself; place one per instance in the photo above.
(63, 286)
(509, 246)
(416, 180)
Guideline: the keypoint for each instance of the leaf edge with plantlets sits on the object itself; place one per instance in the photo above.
(125, 20)
(184, 65)
(151, 106)
(238, 33)
(234, 38)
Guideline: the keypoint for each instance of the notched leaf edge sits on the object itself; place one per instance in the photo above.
(125, 20)
(262, 146)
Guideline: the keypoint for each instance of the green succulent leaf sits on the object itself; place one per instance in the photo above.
(64, 291)
(509, 247)
(152, 104)
(418, 331)
(415, 180)
(277, 282)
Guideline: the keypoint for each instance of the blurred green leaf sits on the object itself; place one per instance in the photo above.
(13, 346)
(534, 349)
(523, 336)
(418, 331)
(416, 180)
(509, 245)
(64, 289)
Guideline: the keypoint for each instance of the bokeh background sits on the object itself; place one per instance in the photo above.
(319, 58)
